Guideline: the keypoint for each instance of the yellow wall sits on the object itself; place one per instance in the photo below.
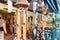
(29, 14)
(2, 6)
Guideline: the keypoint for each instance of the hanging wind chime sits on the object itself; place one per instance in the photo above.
(22, 4)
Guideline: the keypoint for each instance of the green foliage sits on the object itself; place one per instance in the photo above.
(58, 16)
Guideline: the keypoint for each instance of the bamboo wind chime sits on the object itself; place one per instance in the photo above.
(41, 17)
(22, 4)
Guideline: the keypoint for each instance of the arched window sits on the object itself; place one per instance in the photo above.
(30, 19)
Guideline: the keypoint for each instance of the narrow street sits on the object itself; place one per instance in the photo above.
(29, 19)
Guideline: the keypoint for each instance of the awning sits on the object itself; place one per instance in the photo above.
(53, 5)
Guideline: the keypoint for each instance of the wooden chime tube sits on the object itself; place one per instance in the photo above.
(18, 26)
(24, 27)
